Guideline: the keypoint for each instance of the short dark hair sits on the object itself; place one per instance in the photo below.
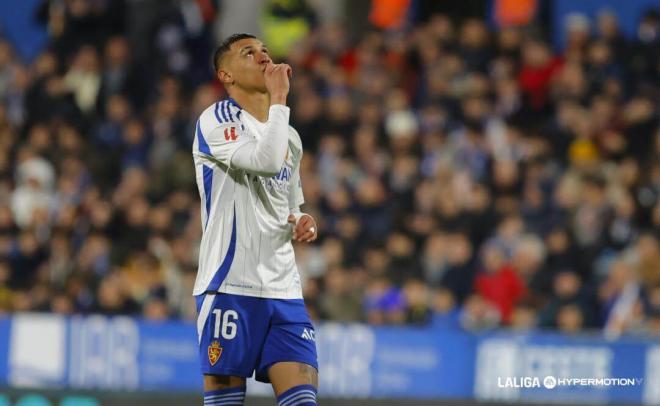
(223, 48)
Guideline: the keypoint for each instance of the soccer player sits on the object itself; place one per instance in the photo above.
(251, 315)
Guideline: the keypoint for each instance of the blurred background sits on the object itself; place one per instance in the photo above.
(485, 173)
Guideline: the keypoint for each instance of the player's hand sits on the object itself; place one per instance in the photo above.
(305, 230)
(277, 77)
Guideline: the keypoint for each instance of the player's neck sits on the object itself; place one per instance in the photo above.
(255, 103)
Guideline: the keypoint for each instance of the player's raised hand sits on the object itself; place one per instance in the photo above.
(276, 77)
(305, 230)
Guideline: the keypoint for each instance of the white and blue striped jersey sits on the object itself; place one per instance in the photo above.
(246, 242)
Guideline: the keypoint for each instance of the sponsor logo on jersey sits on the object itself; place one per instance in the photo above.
(215, 351)
(308, 334)
(284, 175)
(279, 182)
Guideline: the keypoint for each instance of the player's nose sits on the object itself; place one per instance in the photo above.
(264, 59)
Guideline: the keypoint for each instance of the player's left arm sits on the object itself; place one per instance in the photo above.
(304, 225)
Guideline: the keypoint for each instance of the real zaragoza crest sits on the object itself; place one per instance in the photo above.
(215, 351)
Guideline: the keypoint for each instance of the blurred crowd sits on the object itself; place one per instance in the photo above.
(462, 175)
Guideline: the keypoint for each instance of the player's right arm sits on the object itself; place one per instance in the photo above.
(266, 155)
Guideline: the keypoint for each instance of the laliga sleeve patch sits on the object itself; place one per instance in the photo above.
(230, 134)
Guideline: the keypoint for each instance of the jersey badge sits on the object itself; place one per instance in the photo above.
(215, 351)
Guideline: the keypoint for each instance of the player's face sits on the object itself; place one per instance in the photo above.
(246, 62)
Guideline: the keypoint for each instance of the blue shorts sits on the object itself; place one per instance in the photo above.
(239, 335)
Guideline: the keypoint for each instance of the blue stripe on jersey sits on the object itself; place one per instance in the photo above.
(233, 102)
(222, 272)
(217, 116)
(208, 188)
(231, 118)
(222, 110)
(203, 146)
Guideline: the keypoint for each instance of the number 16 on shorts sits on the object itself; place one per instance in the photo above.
(225, 324)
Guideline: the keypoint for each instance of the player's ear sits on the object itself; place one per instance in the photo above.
(225, 77)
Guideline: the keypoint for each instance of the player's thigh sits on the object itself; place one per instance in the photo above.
(286, 375)
(289, 355)
(219, 382)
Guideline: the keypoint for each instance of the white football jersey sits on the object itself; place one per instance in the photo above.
(246, 243)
